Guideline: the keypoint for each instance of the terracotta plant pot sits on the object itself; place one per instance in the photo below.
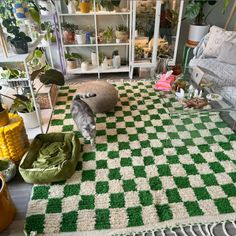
(84, 7)
(7, 207)
(69, 37)
(4, 119)
(122, 35)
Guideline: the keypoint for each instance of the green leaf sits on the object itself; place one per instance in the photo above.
(52, 77)
(192, 10)
(35, 15)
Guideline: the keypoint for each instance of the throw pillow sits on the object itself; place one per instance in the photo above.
(216, 39)
(228, 53)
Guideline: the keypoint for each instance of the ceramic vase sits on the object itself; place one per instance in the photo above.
(116, 61)
(71, 7)
(7, 206)
(94, 58)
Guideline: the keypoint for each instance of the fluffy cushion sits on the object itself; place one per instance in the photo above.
(216, 39)
(228, 53)
(106, 99)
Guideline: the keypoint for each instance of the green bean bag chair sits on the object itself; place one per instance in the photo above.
(51, 158)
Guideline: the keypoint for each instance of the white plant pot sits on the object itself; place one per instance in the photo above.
(30, 119)
(84, 66)
(116, 60)
(94, 58)
(71, 7)
(81, 38)
(47, 5)
(196, 33)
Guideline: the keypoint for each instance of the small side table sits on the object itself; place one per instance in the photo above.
(13, 139)
(188, 50)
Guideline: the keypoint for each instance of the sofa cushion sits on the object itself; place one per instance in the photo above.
(222, 74)
(217, 37)
(228, 53)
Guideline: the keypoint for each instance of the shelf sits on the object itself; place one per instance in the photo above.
(94, 69)
(99, 13)
(99, 44)
(113, 44)
(102, 13)
(91, 70)
(77, 14)
(79, 45)
(12, 57)
(114, 70)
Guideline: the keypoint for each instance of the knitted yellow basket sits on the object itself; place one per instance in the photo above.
(13, 139)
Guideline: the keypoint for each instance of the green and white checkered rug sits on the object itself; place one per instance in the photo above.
(149, 170)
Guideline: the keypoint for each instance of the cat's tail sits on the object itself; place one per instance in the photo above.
(85, 95)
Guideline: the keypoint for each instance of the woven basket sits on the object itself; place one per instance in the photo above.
(13, 139)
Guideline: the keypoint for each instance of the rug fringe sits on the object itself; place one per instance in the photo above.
(208, 228)
(224, 229)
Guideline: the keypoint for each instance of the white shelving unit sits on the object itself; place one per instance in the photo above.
(152, 61)
(125, 18)
(23, 59)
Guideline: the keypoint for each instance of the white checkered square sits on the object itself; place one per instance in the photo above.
(115, 186)
(131, 199)
(187, 194)
(70, 203)
(87, 188)
(127, 172)
(86, 220)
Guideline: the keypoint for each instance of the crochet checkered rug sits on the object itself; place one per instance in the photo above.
(149, 170)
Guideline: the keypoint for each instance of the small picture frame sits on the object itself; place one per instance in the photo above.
(197, 75)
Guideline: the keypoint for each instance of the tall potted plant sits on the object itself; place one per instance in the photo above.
(196, 12)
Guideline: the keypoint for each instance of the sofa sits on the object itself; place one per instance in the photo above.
(220, 71)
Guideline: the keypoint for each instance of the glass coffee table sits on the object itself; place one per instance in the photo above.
(213, 101)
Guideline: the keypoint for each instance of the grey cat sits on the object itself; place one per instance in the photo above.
(83, 117)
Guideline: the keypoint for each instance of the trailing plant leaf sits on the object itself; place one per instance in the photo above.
(35, 73)
(52, 77)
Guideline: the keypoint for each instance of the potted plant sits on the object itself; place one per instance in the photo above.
(108, 5)
(23, 103)
(108, 35)
(48, 31)
(84, 6)
(122, 33)
(196, 13)
(80, 36)
(69, 32)
(116, 59)
(19, 40)
(72, 60)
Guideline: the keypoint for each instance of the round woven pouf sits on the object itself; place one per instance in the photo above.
(106, 95)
